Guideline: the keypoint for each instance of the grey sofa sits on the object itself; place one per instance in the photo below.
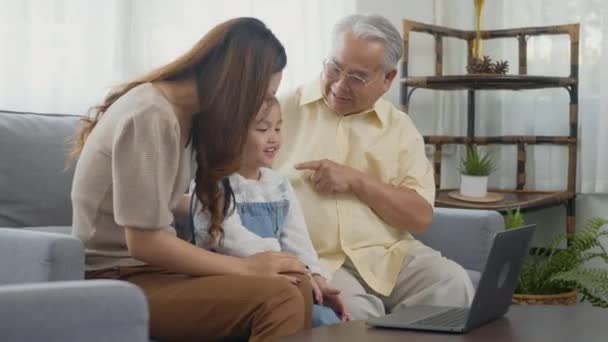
(43, 296)
(42, 266)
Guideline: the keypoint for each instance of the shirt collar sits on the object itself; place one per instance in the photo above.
(311, 92)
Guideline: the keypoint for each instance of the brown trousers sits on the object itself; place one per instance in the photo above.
(184, 308)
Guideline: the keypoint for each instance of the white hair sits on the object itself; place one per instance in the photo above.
(374, 28)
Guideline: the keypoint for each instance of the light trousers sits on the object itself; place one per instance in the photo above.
(425, 278)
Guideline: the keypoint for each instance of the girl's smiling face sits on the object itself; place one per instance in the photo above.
(263, 141)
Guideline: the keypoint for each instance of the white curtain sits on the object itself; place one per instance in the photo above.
(62, 56)
(533, 112)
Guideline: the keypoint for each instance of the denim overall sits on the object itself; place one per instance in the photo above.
(266, 220)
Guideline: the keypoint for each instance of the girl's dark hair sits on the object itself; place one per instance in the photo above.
(232, 66)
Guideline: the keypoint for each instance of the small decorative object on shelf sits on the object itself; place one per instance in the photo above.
(478, 22)
(554, 275)
(478, 64)
(486, 66)
(475, 169)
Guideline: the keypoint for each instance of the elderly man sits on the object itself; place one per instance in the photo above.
(359, 169)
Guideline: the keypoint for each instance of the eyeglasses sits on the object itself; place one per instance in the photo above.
(333, 72)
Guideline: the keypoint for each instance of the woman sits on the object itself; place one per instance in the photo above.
(135, 163)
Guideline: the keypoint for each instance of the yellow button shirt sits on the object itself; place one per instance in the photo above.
(381, 142)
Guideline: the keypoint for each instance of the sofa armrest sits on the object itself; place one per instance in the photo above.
(463, 235)
(28, 256)
(86, 310)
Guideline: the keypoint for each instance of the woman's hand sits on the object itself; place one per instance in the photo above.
(331, 298)
(273, 264)
(316, 289)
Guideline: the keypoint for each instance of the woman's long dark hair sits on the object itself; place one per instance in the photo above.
(232, 65)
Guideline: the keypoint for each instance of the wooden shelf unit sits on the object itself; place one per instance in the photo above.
(526, 199)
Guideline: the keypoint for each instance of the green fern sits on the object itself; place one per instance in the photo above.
(474, 163)
(552, 270)
(591, 282)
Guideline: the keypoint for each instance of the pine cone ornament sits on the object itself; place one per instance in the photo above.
(486, 66)
(479, 65)
(501, 67)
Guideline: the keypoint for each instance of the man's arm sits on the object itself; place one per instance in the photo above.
(400, 207)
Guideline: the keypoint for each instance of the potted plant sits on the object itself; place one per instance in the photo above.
(554, 276)
(475, 169)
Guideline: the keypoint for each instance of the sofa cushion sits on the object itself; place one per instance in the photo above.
(34, 184)
(463, 235)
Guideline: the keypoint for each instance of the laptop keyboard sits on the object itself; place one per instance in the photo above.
(453, 317)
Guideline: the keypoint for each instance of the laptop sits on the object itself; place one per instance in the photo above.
(492, 298)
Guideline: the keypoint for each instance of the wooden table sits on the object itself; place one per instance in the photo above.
(535, 323)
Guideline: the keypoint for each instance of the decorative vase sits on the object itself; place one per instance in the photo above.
(473, 186)
(564, 298)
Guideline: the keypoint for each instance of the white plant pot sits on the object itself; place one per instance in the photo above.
(473, 186)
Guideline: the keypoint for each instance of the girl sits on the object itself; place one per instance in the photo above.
(135, 163)
(267, 216)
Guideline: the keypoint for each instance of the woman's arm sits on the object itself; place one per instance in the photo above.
(160, 248)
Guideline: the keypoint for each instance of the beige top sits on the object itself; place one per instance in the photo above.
(382, 142)
(133, 171)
